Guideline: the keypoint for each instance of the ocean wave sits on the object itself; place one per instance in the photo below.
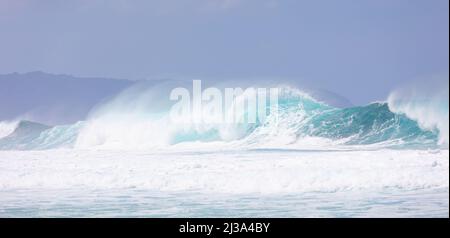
(7, 127)
(302, 122)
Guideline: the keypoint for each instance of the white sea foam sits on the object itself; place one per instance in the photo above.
(138, 119)
(257, 171)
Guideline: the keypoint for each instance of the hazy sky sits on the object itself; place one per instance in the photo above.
(360, 49)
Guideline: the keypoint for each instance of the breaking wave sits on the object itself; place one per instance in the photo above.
(302, 122)
(7, 127)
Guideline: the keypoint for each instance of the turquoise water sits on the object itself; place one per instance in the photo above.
(390, 165)
(298, 117)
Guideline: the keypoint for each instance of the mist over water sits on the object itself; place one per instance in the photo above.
(427, 103)
(139, 118)
(90, 125)
(381, 159)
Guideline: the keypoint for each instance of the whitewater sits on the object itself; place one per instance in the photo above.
(127, 159)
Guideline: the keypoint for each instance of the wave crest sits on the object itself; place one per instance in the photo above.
(139, 119)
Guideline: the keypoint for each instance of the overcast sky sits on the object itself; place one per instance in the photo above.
(359, 49)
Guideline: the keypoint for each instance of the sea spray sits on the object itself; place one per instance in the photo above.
(426, 104)
(138, 118)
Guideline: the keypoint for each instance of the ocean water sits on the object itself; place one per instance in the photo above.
(147, 203)
(127, 159)
(132, 122)
(255, 183)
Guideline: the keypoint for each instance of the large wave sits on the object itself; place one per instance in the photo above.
(138, 119)
(426, 104)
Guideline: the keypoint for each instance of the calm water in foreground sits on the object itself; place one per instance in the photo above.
(142, 203)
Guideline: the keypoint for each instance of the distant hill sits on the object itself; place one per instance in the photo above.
(52, 98)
